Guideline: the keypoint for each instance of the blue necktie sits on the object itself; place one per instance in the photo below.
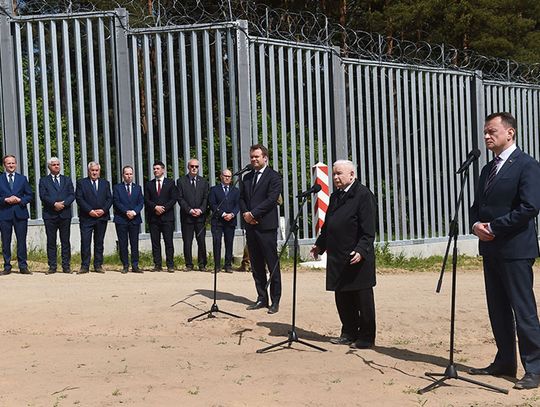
(11, 181)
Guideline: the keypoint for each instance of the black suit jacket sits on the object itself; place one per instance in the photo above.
(220, 204)
(192, 199)
(349, 225)
(49, 194)
(510, 205)
(167, 197)
(88, 199)
(262, 200)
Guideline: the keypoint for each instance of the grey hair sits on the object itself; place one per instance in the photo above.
(93, 164)
(346, 163)
(52, 160)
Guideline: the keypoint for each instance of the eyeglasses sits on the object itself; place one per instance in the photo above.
(226, 176)
(194, 166)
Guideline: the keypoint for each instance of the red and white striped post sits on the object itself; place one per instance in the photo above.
(320, 174)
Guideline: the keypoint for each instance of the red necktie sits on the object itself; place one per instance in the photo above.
(158, 187)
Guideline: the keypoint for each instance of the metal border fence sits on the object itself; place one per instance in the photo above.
(85, 86)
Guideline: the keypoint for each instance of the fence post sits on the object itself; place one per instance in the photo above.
(339, 106)
(244, 103)
(11, 136)
(478, 113)
(123, 89)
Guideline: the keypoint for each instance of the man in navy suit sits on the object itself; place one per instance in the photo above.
(260, 190)
(160, 196)
(15, 194)
(128, 203)
(224, 203)
(193, 200)
(57, 194)
(93, 195)
(507, 201)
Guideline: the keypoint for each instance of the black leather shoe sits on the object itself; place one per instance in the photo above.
(227, 270)
(125, 270)
(257, 305)
(99, 270)
(83, 270)
(156, 269)
(24, 271)
(361, 344)
(341, 340)
(136, 270)
(170, 269)
(529, 381)
(5, 272)
(187, 269)
(494, 370)
(51, 271)
(66, 270)
(273, 309)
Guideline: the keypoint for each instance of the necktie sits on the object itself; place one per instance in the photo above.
(158, 188)
(255, 179)
(492, 172)
(11, 181)
(226, 189)
(128, 189)
(193, 183)
(56, 181)
(94, 182)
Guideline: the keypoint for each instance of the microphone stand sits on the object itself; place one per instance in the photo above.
(292, 335)
(451, 370)
(214, 308)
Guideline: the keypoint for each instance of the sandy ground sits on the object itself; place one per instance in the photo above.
(113, 339)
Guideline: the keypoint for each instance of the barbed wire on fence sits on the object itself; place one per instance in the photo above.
(304, 26)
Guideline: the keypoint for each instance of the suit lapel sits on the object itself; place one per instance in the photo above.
(506, 166)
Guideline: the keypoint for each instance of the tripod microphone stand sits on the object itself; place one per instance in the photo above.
(214, 308)
(451, 370)
(292, 335)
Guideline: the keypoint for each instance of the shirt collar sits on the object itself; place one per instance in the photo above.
(507, 153)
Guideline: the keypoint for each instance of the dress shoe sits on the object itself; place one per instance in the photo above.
(170, 269)
(494, 370)
(83, 270)
(125, 270)
(227, 270)
(361, 344)
(66, 270)
(51, 271)
(136, 270)
(99, 270)
(202, 269)
(187, 269)
(273, 309)
(24, 271)
(156, 269)
(257, 305)
(5, 272)
(341, 340)
(529, 381)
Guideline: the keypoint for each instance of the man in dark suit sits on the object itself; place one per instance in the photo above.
(15, 194)
(160, 196)
(347, 236)
(128, 203)
(57, 194)
(260, 190)
(94, 198)
(224, 203)
(193, 200)
(507, 201)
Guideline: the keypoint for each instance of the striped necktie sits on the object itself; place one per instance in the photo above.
(492, 172)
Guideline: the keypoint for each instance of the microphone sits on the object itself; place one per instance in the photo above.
(313, 190)
(472, 157)
(247, 168)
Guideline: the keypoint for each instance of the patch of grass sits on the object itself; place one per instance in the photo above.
(388, 260)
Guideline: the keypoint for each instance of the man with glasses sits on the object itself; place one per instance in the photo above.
(57, 195)
(193, 200)
(224, 203)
